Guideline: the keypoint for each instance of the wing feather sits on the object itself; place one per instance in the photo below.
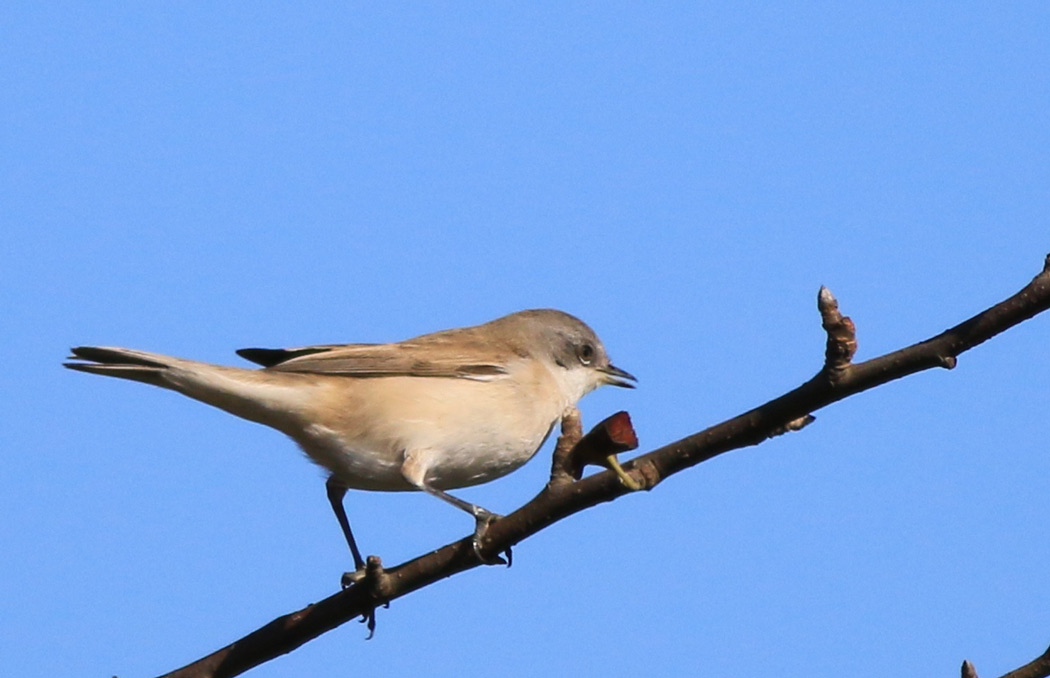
(441, 354)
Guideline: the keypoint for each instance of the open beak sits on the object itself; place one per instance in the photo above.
(614, 376)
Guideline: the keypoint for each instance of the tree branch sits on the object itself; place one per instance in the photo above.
(1037, 668)
(838, 378)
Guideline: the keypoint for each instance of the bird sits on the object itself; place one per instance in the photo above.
(437, 412)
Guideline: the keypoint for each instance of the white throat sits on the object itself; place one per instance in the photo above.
(574, 382)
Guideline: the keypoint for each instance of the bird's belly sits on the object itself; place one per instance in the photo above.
(482, 461)
(364, 445)
(378, 467)
(358, 466)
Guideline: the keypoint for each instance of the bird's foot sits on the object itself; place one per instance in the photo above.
(351, 578)
(483, 519)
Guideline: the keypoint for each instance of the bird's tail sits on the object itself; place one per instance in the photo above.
(125, 363)
(277, 400)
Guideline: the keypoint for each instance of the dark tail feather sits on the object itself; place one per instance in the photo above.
(119, 362)
(268, 357)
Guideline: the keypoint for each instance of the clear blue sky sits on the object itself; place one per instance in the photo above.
(193, 179)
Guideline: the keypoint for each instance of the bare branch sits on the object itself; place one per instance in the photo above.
(837, 379)
(754, 426)
(1037, 668)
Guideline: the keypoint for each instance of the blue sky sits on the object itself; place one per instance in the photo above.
(191, 179)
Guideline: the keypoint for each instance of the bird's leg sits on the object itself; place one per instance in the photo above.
(415, 472)
(336, 492)
(482, 519)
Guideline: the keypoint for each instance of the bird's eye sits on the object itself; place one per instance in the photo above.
(585, 353)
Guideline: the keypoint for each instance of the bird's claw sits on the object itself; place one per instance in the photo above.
(483, 519)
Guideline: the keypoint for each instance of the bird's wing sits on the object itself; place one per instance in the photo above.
(268, 357)
(428, 356)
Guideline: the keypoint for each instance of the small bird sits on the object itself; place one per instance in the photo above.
(441, 411)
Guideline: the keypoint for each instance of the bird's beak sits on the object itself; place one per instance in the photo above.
(614, 376)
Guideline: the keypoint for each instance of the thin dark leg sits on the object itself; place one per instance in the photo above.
(336, 492)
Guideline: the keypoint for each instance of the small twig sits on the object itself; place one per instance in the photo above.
(842, 334)
(838, 353)
(599, 447)
(1037, 668)
(571, 433)
(612, 435)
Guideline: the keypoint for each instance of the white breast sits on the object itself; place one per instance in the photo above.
(467, 432)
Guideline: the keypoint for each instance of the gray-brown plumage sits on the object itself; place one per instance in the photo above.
(443, 410)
